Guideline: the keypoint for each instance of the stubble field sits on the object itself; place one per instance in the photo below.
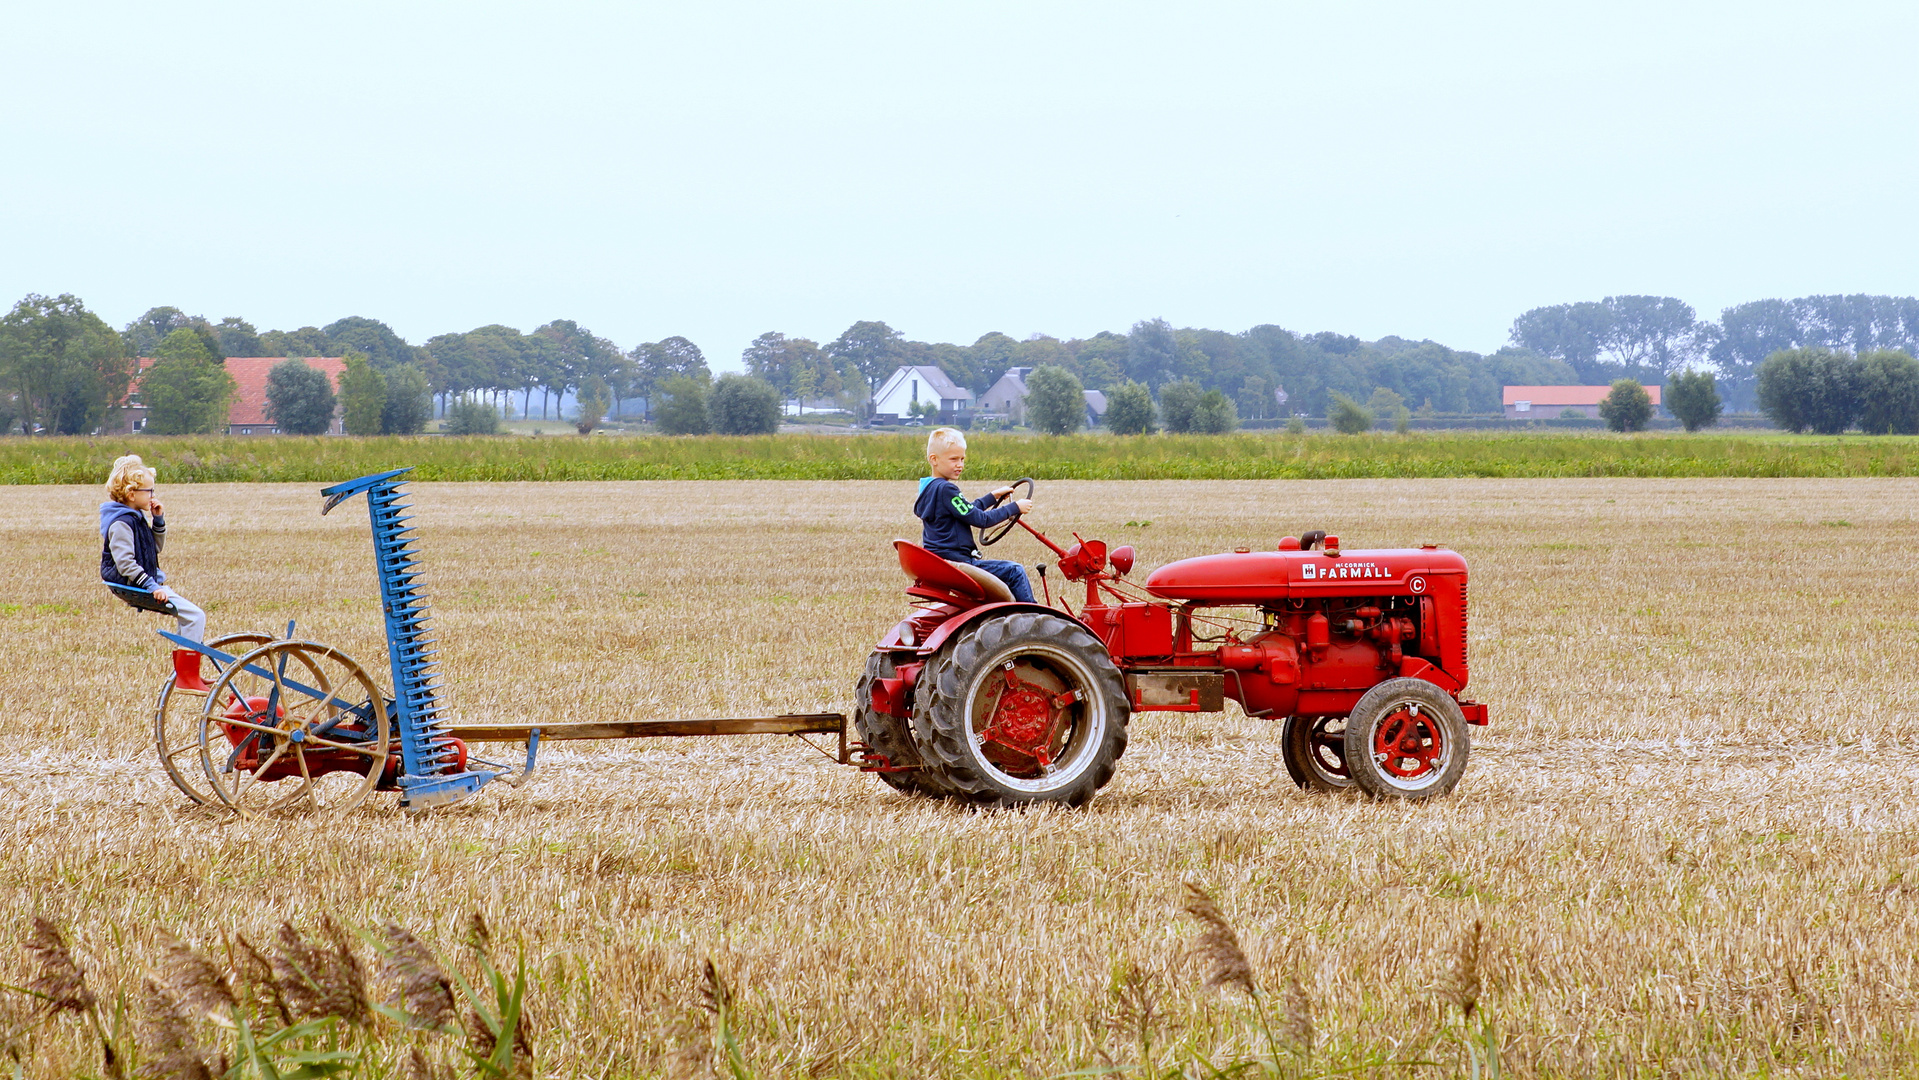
(1688, 836)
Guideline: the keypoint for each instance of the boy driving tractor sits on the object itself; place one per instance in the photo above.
(950, 519)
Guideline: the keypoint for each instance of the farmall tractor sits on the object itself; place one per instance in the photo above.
(1361, 656)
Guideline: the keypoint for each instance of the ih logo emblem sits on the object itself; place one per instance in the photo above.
(1345, 571)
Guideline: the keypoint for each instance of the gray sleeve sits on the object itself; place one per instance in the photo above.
(159, 535)
(120, 545)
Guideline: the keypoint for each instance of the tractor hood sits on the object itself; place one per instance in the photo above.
(1256, 576)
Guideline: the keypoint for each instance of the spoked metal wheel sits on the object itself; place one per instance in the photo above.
(176, 724)
(1315, 751)
(294, 726)
(1406, 739)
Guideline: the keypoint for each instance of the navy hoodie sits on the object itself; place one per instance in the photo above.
(950, 519)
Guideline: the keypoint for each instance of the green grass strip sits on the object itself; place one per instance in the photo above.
(1247, 456)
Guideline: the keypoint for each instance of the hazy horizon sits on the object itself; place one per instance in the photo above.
(1068, 168)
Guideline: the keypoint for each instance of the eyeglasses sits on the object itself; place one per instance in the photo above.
(147, 490)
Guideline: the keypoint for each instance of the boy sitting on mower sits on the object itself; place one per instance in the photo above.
(949, 519)
(130, 558)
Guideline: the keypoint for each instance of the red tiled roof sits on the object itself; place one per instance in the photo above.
(249, 406)
(1567, 395)
(250, 373)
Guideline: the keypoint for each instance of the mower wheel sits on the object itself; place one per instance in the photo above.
(889, 735)
(1406, 739)
(1022, 708)
(1315, 752)
(176, 725)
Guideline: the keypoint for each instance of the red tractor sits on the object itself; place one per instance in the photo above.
(1360, 654)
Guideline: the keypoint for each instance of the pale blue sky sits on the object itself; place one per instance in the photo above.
(720, 169)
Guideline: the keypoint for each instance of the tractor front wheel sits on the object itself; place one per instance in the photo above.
(1022, 708)
(1315, 752)
(1406, 739)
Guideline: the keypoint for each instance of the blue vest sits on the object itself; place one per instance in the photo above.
(146, 551)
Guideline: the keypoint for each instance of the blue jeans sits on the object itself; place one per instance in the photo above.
(1012, 573)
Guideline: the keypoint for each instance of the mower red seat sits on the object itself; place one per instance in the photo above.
(942, 579)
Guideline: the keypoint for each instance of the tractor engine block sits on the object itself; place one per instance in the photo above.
(1333, 626)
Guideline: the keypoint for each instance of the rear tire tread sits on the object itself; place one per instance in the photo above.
(943, 732)
(890, 735)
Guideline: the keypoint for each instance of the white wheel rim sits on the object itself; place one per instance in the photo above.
(1082, 746)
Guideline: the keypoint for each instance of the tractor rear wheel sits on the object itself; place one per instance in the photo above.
(1022, 708)
(1406, 739)
(889, 735)
(1315, 752)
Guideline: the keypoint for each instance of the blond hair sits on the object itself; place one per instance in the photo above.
(128, 473)
(944, 438)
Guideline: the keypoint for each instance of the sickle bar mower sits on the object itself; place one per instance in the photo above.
(298, 725)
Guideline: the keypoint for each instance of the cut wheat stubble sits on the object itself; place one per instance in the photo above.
(1687, 834)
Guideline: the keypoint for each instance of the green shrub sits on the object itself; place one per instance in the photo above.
(1312, 455)
(1349, 417)
(1129, 409)
(1816, 389)
(743, 405)
(300, 398)
(1626, 407)
(684, 410)
(409, 402)
(1055, 401)
(1215, 414)
(1694, 399)
(590, 405)
(362, 396)
(1892, 393)
(1176, 404)
(471, 416)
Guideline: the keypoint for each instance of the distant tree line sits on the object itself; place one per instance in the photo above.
(1828, 390)
(62, 368)
(1643, 338)
(1244, 369)
(1649, 337)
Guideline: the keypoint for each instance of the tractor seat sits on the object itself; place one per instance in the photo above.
(961, 581)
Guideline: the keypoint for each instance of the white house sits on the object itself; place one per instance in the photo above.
(910, 386)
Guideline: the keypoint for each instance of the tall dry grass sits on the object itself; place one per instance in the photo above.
(1688, 839)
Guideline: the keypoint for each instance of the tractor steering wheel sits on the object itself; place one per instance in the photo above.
(993, 534)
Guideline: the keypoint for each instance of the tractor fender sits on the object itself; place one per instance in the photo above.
(971, 615)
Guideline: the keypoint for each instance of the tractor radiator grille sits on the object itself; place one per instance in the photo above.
(1462, 619)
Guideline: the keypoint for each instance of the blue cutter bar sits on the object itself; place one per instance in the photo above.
(426, 749)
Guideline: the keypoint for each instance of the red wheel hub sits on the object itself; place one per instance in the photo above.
(1407, 744)
(1022, 722)
(253, 711)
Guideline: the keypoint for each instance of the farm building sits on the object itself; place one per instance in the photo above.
(247, 412)
(1549, 402)
(911, 386)
(1006, 399)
